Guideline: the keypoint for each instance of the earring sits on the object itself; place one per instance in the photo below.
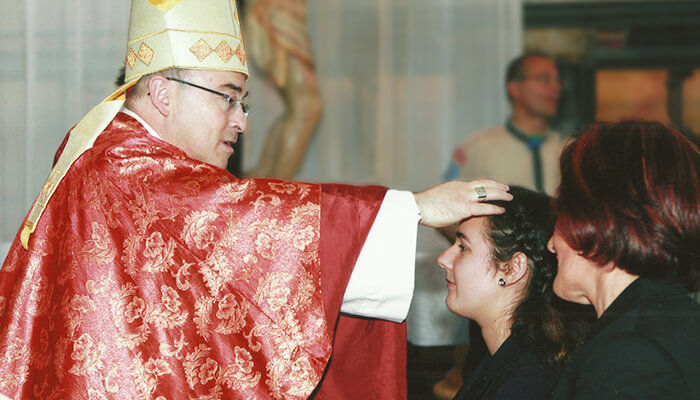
(501, 282)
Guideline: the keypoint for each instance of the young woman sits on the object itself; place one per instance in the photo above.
(499, 274)
(627, 240)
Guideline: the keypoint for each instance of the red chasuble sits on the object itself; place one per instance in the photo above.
(154, 276)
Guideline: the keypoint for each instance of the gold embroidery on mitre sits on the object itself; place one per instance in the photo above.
(240, 53)
(224, 51)
(201, 49)
(145, 54)
(164, 5)
(130, 58)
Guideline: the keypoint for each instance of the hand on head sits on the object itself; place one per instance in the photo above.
(453, 201)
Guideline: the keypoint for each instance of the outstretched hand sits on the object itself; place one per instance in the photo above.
(453, 201)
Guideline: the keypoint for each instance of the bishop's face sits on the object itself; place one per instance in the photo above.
(203, 124)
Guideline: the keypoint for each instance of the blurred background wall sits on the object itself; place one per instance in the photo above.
(401, 82)
(623, 59)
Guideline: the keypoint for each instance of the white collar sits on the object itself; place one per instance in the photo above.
(150, 129)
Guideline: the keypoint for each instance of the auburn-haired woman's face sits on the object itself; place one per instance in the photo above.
(470, 275)
(574, 272)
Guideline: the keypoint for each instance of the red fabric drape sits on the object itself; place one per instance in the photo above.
(369, 356)
(151, 274)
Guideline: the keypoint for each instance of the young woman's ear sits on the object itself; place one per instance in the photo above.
(514, 271)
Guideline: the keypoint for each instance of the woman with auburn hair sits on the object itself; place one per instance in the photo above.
(627, 240)
(499, 273)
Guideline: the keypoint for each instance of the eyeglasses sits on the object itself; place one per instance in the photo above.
(232, 103)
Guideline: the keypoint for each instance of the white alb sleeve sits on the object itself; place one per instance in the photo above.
(381, 284)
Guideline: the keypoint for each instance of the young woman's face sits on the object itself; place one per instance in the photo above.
(470, 274)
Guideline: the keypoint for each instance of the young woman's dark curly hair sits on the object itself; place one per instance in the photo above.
(547, 325)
